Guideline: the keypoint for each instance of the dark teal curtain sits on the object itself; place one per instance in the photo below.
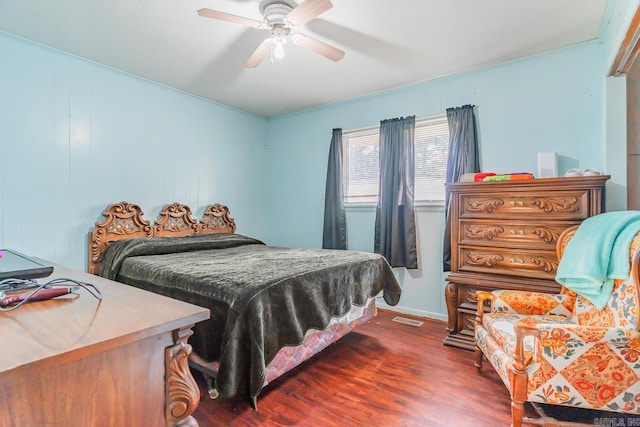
(395, 232)
(334, 235)
(463, 158)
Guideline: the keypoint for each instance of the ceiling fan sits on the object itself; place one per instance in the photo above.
(280, 17)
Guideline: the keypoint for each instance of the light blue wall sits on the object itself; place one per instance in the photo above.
(549, 102)
(617, 18)
(619, 14)
(76, 136)
(559, 101)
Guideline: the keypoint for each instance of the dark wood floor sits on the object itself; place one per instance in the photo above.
(383, 374)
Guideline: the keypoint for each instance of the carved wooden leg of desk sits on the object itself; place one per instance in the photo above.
(182, 392)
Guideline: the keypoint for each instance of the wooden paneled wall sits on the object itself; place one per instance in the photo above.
(76, 136)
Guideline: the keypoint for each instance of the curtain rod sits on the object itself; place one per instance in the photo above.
(376, 127)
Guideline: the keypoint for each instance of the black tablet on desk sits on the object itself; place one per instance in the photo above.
(18, 266)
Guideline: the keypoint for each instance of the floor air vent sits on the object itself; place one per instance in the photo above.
(407, 321)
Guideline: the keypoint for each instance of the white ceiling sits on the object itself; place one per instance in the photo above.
(387, 43)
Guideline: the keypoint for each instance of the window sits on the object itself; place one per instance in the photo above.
(362, 171)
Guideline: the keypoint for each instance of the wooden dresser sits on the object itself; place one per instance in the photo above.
(77, 361)
(503, 236)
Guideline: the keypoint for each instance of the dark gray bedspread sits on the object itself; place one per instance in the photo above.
(261, 298)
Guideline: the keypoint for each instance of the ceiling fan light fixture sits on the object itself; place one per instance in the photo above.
(278, 50)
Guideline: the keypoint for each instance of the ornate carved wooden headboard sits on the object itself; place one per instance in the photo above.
(124, 221)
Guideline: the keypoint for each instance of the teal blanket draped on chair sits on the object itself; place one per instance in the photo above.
(598, 254)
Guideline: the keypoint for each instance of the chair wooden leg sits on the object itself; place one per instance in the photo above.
(478, 363)
(517, 413)
(519, 377)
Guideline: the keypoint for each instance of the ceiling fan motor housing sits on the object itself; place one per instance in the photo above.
(275, 12)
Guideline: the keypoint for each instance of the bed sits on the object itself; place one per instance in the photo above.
(271, 308)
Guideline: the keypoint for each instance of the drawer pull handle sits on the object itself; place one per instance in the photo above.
(519, 203)
(520, 232)
(512, 260)
(513, 203)
(519, 261)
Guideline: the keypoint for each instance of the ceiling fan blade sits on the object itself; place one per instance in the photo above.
(258, 55)
(307, 10)
(216, 14)
(326, 50)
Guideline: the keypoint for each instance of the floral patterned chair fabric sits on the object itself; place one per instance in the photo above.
(560, 349)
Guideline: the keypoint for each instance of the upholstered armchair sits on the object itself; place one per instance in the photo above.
(560, 349)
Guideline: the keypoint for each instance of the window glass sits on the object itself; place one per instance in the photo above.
(362, 172)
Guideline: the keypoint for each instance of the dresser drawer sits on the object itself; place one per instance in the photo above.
(467, 321)
(510, 233)
(467, 297)
(538, 264)
(569, 205)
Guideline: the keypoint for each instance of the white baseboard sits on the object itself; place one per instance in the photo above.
(408, 310)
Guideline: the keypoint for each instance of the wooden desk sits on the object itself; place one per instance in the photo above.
(74, 360)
